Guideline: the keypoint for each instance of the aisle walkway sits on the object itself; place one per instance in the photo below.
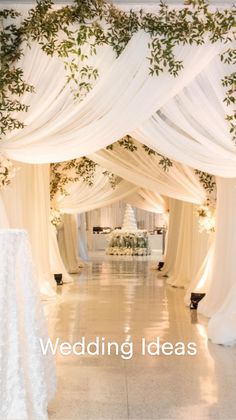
(123, 300)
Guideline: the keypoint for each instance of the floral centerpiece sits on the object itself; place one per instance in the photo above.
(206, 218)
(7, 171)
(123, 242)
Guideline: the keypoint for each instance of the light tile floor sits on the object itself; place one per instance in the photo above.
(122, 299)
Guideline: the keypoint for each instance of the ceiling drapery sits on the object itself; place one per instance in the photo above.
(83, 197)
(191, 128)
(125, 96)
(144, 170)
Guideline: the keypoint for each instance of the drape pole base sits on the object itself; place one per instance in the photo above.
(160, 265)
(195, 299)
(58, 278)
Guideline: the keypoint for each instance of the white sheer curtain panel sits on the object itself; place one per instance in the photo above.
(82, 237)
(191, 128)
(83, 197)
(125, 88)
(56, 263)
(113, 215)
(149, 201)
(186, 262)
(4, 222)
(224, 268)
(27, 204)
(142, 169)
(68, 243)
(173, 234)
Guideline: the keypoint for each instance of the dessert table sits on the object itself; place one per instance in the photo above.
(27, 377)
(99, 242)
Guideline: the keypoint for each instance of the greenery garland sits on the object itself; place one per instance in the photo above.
(65, 173)
(128, 143)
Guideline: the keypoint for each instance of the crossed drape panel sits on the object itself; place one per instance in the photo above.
(191, 128)
(83, 197)
(144, 170)
(148, 200)
(125, 89)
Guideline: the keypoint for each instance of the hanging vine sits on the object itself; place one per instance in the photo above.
(65, 173)
(128, 143)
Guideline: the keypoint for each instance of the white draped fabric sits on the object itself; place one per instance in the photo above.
(27, 206)
(125, 88)
(144, 170)
(149, 201)
(83, 197)
(113, 215)
(56, 263)
(186, 261)
(191, 128)
(4, 222)
(82, 237)
(68, 243)
(219, 302)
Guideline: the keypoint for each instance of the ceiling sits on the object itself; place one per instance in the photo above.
(120, 2)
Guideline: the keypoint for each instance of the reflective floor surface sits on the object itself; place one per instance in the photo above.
(121, 300)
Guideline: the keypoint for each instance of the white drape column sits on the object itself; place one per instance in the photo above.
(4, 222)
(68, 243)
(82, 237)
(173, 233)
(224, 260)
(27, 204)
(187, 253)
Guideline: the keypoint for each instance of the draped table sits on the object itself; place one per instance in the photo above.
(99, 242)
(27, 377)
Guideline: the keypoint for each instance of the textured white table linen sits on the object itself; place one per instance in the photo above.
(27, 377)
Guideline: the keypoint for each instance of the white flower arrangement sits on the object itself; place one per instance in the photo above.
(7, 171)
(206, 218)
(55, 217)
(122, 242)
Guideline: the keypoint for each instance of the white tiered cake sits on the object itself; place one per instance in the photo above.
(129, 240)
(129, 222)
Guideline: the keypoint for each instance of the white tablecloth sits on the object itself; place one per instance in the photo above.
(27, 378)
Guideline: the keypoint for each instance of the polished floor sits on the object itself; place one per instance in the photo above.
(122, 300)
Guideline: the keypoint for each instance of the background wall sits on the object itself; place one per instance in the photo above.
(112, 216)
